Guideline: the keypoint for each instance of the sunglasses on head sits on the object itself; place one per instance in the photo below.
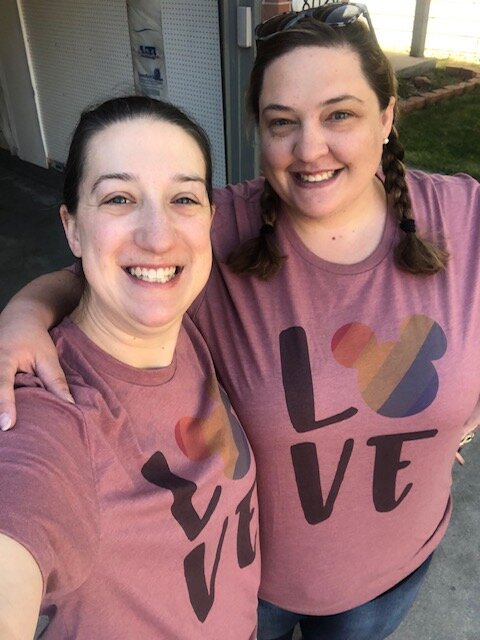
(333, 14)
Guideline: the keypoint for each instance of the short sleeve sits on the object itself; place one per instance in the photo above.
(48, 500)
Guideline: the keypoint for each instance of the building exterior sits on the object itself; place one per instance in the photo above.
(59, 56)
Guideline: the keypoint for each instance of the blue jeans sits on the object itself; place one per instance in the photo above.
(374, 620)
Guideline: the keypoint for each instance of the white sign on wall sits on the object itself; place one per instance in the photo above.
(148, 53)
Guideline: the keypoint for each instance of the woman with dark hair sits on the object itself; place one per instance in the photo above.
(347, 341)
(135, 515)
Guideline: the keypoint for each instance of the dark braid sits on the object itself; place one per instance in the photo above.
(412, 254)
(260, 256)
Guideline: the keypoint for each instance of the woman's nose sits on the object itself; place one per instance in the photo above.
(155, 229)
(311, 144)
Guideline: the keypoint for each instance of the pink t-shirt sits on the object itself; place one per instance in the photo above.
(352, 383)
(139, 502)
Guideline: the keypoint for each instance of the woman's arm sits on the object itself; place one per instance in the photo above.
(25, 344)
(20, 591)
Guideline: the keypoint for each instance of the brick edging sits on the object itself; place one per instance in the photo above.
(430, 97)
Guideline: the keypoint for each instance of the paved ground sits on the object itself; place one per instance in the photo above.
(406, 66)
(32, 242)
(31, 235)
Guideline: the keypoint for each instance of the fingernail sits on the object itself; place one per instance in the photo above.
(69, 398)
(5, 422)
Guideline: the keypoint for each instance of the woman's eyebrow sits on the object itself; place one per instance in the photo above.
(181, 177)
(277, 107)
(112, 176)
(281, 107)
(345, 96)
(128, 177)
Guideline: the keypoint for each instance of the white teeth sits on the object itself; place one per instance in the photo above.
(316, 177)
(161, 275)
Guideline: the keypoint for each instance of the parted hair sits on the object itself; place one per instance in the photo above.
(261, 256)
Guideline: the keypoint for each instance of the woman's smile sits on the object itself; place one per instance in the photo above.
(154, 275)
(314, 178)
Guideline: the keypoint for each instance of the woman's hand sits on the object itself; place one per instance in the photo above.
(25, 344)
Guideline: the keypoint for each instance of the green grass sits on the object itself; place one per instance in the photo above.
(444, 137)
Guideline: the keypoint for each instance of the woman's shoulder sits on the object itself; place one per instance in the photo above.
(31, 386)
(237, 215)
(84, 365)
(446, 208)
(38, 407)
(449, 187)
(435, 194)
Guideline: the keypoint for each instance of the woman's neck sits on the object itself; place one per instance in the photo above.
(147, 349)
(346, 237)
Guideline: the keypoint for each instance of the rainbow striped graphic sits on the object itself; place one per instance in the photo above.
(396, 379)
(218, 433)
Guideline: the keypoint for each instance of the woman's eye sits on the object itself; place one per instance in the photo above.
(280, 122)
(117, 200)
(185, 200)
(340, 115)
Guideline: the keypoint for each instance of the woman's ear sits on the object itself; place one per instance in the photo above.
(70, 227)
(388, 117)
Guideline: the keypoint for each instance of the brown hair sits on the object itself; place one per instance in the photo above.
(260, 256)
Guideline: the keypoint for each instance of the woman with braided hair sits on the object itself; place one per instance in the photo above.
(346, 340)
